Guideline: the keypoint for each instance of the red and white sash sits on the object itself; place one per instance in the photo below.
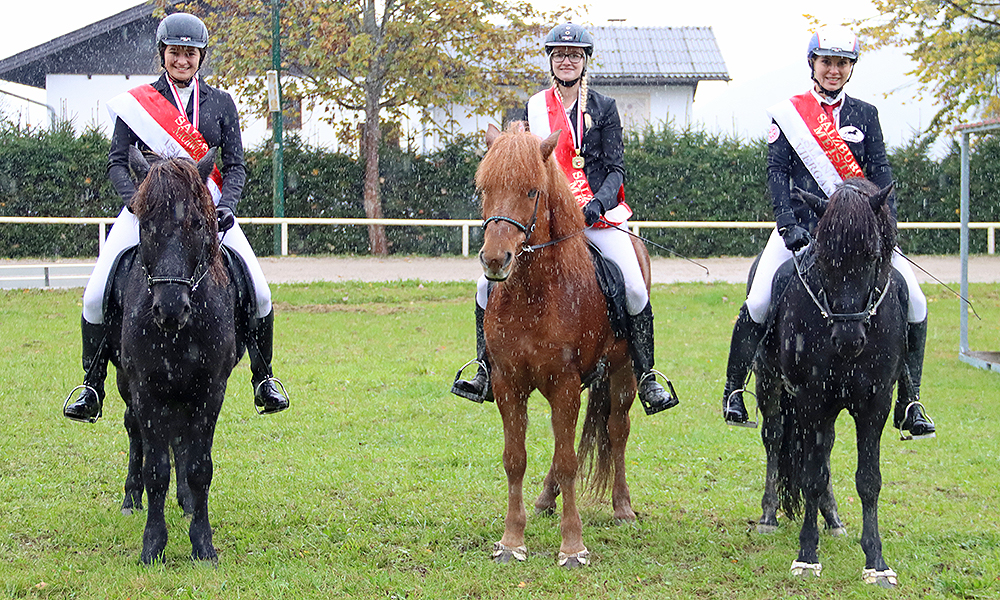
(163, 127)
(545, 115)
(816, 140)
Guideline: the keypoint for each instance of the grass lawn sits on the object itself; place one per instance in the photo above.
(378, 483)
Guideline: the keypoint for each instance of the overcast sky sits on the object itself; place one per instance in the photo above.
(764, 50)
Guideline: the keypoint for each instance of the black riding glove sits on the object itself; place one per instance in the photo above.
(592, 212)
(795, 237)
(226, 218)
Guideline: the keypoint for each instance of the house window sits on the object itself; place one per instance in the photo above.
(291, 109)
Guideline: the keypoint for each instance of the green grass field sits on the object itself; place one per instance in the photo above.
(378, 483)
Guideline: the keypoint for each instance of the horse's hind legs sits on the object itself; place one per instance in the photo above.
(184, 498)
(133, 480)
(771, 433)
(546, 501)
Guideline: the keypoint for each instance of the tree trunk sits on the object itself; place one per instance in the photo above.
(373, 203)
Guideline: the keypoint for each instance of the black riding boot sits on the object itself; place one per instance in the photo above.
(268, 393)
(89, 404)
(909, 413)
(746, 337)
(478, 388)
(651, 394)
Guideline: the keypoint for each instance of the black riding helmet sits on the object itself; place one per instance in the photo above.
(181, 29)
(569, 35)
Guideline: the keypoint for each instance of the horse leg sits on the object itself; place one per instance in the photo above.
(199, 478)
(133, 480)
(868, 480)
(156, 478)
(546, 501)
(828, 506)
(771, 433)
(619, 426)
(179, 447)
(514, 414)
(815, 480)
(564, 399)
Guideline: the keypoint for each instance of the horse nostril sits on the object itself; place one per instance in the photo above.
(507, 259)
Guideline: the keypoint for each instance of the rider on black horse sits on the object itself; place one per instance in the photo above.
(797, 158)
(178, 115)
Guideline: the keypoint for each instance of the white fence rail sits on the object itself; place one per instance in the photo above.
(45, 272)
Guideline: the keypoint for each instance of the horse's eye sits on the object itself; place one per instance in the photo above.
(532, 193)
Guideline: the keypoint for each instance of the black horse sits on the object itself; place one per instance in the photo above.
(178, 345)
(836, 341)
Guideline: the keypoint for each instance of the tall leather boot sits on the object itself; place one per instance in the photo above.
(478, 388)
(909, 414)
(651, 394)
(268, 393)
(746, 337)
(88, 406)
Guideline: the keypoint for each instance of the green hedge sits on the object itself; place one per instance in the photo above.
(673, 175)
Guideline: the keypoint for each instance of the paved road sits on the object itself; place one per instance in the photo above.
(293, 269)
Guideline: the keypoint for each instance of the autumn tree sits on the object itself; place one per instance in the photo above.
(956, 45)
(378, 58)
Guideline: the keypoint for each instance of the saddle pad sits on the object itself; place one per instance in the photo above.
(612, 283)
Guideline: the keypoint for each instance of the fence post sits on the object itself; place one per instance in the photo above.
(284, 239)
(465, 240)
(991, 240)
(100, 236)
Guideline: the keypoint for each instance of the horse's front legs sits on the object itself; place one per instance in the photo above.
(564, 399)
(133, 480)
(868, 480)
(514, 413)
(156, 477)
(199, 479)
(816, 447)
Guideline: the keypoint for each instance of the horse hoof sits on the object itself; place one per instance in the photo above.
(503, 554)
(883, 579)
(837, 531)
(806, 570)
(577, 559)
(127, 511)
(766, 529)
(545, 510)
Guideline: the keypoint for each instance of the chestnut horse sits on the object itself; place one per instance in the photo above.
(546, 327)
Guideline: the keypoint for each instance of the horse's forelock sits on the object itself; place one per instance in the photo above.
(850, 231)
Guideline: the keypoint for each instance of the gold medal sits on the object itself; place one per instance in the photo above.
(578, 162)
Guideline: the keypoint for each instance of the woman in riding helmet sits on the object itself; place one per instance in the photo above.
(594, 148)
(796, 158)
(178, 115)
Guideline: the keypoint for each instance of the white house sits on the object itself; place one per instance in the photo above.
(652, 72)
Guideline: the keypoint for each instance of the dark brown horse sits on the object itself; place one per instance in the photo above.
(547, 329)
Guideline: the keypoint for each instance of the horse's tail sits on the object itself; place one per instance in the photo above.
(789, 477)
(595, 469)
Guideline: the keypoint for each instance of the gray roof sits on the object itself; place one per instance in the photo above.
(623, 55)
(653, 56)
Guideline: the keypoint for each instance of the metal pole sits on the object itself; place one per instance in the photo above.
(277, 122)
(963, 343)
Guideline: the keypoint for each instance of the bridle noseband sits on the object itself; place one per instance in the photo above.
(192, 282)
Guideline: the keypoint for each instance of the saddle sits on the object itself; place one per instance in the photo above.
(612, 284)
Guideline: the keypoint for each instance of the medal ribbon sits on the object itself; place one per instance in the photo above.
(566, 147)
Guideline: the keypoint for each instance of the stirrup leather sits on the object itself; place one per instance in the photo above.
(280, 386)
(100, 411)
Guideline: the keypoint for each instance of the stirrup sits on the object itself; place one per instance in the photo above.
(670, 386)
(756, 409)
(458, 377)
(906, 437)
(100, 411)
(280, 386)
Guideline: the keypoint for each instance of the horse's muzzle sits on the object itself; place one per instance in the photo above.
(171, 312)
(497, 268)
(849, 338)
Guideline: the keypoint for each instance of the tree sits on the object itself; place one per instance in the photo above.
(378, 57)
(956, 44)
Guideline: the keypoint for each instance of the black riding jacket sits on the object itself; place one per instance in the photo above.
(603, 149)
(219, 124)
(785, 168)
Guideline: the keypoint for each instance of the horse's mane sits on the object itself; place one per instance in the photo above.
(850, 234)
(515, 161)
(172, 181)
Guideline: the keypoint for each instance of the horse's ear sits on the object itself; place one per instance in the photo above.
(815, 202)
(138, 162)
(206, 164)
(492, 133)
(549, 144)
(878, 199)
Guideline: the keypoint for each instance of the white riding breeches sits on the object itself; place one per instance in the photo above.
(775, 254)
(616, 245)
(124, 234)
